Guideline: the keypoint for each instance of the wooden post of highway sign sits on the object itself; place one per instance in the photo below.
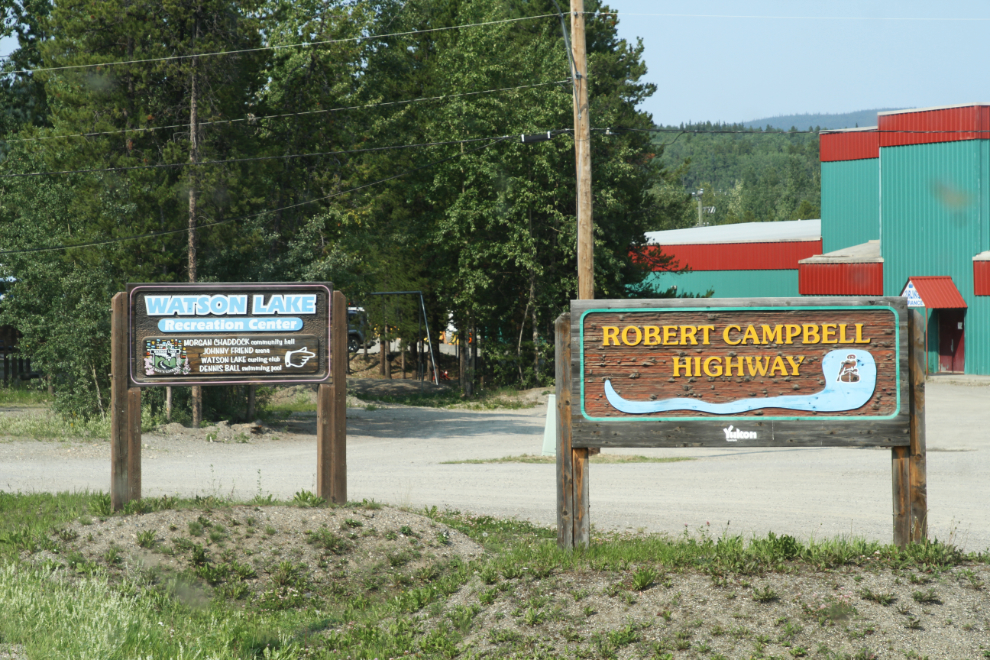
(769, 372)
(227, 334)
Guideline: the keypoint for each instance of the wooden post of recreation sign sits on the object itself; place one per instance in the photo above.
(227, 334)
(769, 372)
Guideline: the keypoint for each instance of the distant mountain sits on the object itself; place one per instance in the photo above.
(825, 121)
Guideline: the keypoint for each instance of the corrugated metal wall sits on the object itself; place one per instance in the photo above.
(850, 203)
(855, 279)
(732, 283)
(743, 256)
(848, 145)
(931, 339)
(935, 219)
(981, 278)
(923, 126)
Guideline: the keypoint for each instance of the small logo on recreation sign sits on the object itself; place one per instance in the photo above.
(732, 435)
(165, 356)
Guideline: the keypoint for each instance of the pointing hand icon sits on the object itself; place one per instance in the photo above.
(299, 358)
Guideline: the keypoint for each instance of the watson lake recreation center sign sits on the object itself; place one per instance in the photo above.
(223, 334)
(228, 334)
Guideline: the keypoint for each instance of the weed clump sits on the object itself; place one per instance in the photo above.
(877, 597)
(644, 578)
(327, 540)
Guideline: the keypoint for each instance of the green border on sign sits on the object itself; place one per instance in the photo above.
(844, 418)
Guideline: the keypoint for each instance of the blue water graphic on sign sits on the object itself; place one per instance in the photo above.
(850, 380)
(256, 324)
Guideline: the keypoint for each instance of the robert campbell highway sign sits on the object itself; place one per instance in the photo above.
(770, 372)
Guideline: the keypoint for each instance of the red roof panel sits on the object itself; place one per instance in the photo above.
(849, 145)
(934, 125)
(841, 279)
(782, 255)
(938, 292)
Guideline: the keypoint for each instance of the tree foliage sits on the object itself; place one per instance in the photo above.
(748, 175)
(311, 186)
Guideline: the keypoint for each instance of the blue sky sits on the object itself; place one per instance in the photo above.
(797, 56)
(7, 44)
(841, 56)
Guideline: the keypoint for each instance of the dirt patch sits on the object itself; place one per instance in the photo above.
(12, 652)
(368, 367)
(277, 555)
(445, 395)
(372, 387)
(807, 613)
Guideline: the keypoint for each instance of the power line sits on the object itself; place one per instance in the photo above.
(619, 129)
(757, 131)
(486, 23)
(802, 18)
(258, 158)
(282, 47)
(252, 119)
(493, 141)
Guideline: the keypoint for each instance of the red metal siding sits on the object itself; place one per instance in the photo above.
(743, 256)
(855, 279)
(938, 292)
(925, 126)
(981, 278)
(854, 145)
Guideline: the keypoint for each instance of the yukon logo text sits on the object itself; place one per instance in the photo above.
(732, 435)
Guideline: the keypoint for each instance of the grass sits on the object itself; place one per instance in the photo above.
(83, 611)
(38, 423)
(598, 458)
(50, 426)
(23, 396)
(927, 597)
(270, 411)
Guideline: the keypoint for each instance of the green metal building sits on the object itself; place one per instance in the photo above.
(906, 211)
(737, 261)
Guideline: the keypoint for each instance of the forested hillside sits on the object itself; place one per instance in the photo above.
(748, 175)
(372, 144)
(823, 121)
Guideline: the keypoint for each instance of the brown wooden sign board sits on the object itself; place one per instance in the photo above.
(228, 334)
(772, 372)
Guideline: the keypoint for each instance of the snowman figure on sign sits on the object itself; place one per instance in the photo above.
(849, 370)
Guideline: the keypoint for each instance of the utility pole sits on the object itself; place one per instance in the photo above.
(582, 153)
(197, 391)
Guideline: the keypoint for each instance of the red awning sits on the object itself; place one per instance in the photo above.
(938, 292)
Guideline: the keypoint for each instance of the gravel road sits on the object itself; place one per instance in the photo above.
(396, 455)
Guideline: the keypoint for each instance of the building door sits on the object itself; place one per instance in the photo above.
(951, 341)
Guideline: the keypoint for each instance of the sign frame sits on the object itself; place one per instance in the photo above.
(322, 320)
(902, 431)
(821, 431)
(125, 394)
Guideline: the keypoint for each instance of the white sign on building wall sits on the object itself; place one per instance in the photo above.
(913, 299)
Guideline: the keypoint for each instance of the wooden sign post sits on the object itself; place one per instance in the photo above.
(773, 372)
(228, 334)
